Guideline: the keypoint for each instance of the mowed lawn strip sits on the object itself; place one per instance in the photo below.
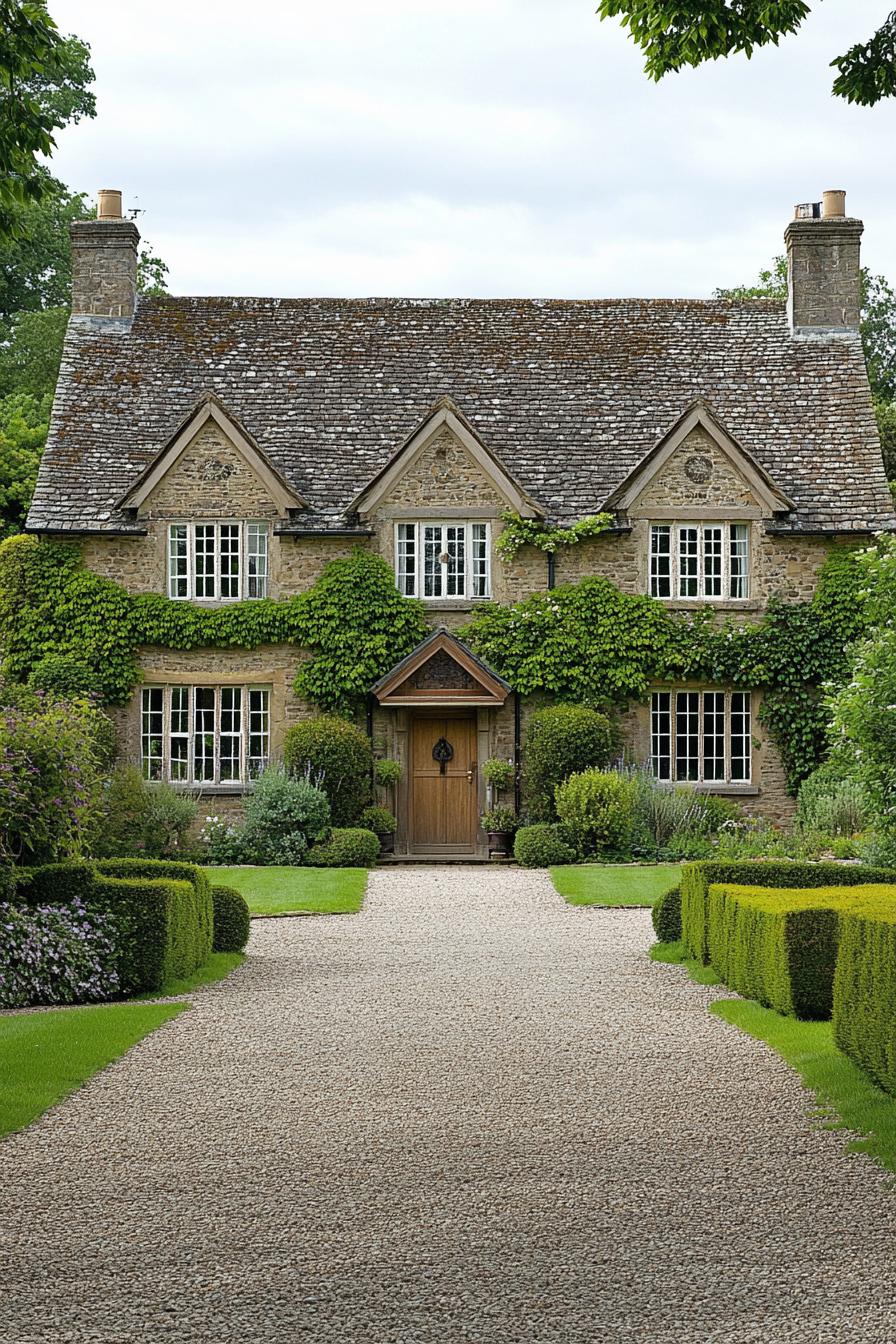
(46, 1055)
(279, 891)
(615, 884)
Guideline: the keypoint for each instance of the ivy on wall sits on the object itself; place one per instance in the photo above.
(548, 537)
(585, 643)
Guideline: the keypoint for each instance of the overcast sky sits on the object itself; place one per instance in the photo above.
(475, 147)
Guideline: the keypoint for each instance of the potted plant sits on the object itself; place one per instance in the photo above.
(383, 823)
(500, 823)
(498, 775)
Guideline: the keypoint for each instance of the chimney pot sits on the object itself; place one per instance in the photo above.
(833, 205)
(108, 204)
(823, 268)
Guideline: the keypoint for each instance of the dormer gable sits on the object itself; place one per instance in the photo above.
(441, 670)
(698, 464)
(193, 437)
(445, 422)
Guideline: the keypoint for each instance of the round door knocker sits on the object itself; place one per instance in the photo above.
(442, 752)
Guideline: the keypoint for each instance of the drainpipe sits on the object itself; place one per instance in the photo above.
(369, 727)
(517, 794)
(552, 571)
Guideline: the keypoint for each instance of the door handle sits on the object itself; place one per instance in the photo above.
(471, 772)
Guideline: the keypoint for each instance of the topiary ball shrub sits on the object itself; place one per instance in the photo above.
(231, 920)
(379, 820)
(596, 808)
(352, 847)
(666, 916)
(337, 757)
(542, 846)
(562, 740)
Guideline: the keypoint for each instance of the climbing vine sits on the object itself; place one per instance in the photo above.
(548, 537)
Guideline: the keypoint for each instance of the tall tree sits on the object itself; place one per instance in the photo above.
(689, 32)
(44, 85)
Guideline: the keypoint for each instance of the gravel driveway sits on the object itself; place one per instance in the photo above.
(470, 1113)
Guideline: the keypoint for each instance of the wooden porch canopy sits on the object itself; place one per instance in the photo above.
(441, 671)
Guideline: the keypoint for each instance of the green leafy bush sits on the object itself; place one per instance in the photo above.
(542, 846)
(378, 819)
(666, 916)
(63, 674)
(386, 772)
(283, 816)
(674, 820)
(337, 757)
(696, 879)
(351, 847)
(500, 820)
(498, 773)
(139, 818)
(231, 920)
(562, 740)
(865, 992)
(833, 802)
(191, 925)
(595, 808)
(779, 947)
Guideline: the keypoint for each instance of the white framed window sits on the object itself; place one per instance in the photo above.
(701, 737)
(205, 734)
(218, 562)
(700, 561)
(439, 560)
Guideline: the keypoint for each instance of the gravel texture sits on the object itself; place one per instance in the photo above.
(470, 1113)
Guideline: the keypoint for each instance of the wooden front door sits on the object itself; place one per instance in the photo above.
(443, 797)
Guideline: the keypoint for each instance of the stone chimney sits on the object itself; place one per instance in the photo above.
(104, 261)
(823, 281)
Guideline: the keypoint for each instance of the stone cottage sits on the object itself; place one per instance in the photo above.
(222, 450)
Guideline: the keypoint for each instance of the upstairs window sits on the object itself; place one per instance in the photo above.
(217, 562)
(702, 737)
(443, 560)
(700, 561)
(204, 734)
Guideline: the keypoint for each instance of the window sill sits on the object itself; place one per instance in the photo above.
(454, 603)
(231, 790)
(720, 786)
(713, 604)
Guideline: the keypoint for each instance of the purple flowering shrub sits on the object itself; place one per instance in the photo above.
(56, 954)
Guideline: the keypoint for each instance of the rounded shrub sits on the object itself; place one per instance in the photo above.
(666, 916)
(336, 756)
(351, 847)
(231, 920)
(283, 817)
(378, 819)
(596, 808)
(562, 740)
(542, 846)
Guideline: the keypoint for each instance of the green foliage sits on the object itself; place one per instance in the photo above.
(378, 819)
(548, 537)
(36, 266)
(830, 801)
(284, 815)
(595, 809)
(24, 421)
(865, 992)
(697, 878)
(231, 920)
(338, 757)
(560, 741)
(691, 32)
(885, 414)
(351, 847)
(386, 773)
(542, 846)
(142, 819)
(189, 914)
(61, 674)
(499, 820)
(498, 773)
(666, 916)
(671, 817)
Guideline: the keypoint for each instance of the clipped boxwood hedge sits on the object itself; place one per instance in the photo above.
(780, 946)
(542, 845)
(865, 993)
(666, 916)
(232, 922)
(201, 932)
(352, 847)
(697, 878)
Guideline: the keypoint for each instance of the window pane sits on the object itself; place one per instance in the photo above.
(479, 559)
(257, 559)
(230, 560)
(204, 560)
(741, 732)
(259, 731)
(179, 732)
(456, 552)
(432, 565)
(739, 561)
(688, 562)
(661, 735)
(231, 733)
(712, 561)
(713, 735)
(204, 733)
(152, 721)
(178, 580)
(406, 559)
(687, 735)
(660, 561)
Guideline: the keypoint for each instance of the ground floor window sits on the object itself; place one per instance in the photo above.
(701, 736)
(204, 734)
